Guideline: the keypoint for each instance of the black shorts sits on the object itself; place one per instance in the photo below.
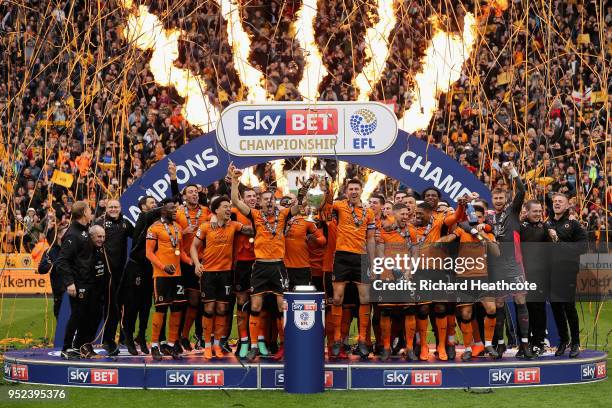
(269, 277)
(242, 275)
(298, 276)
(317, 282)
(348, 267)
(216, 286)
(423, 294)
(190, 279)
(168, 290)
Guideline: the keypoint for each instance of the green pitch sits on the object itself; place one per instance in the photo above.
(27, 322)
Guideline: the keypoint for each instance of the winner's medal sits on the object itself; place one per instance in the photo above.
(173, 238)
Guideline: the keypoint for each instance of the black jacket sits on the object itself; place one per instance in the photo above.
(144, 221)
(565, 255)
(117, 233)
(45, 266)
(74, 261)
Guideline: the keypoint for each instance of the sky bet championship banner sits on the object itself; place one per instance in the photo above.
(363, 133)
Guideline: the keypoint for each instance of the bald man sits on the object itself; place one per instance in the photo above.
(86, 303)
(117, 231)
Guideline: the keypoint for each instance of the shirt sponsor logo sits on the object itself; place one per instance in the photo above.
(99, 376)
(414, 378)
(502, 376)
(195, 378)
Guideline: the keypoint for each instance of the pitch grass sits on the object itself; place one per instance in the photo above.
(26, 322)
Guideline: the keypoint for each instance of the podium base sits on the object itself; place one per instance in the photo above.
(45, 366)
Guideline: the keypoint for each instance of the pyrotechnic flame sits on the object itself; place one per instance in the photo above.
(145, 31)
(279, 175)
(249, 178)
(241, 47)
(372, 180)
(314, 70)
(377, 50)
(310, 162)
(441, 68)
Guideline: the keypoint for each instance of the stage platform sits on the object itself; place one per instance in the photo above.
(44, 366)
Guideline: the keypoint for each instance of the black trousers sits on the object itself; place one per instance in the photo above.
(537, 322)
(138, 297)
(565, 314)
(85, 316)
(58, 294)
(112, 309)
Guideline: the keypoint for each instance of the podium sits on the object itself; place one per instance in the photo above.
(304, 315)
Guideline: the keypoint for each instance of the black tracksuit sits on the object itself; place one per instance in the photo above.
(138, 274)
(565, 264)
(45, 266)
(535, 246)
(118, 230)
(74, 264)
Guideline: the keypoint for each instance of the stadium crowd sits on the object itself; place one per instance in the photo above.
(75, 98)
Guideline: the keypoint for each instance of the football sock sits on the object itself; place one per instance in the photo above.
(385, 330)
(489, 325)
(173, 331)
(466, 330)
(207, 323)
(190, 315)
(254, 328)
(410, 328)
(336, 321)
(364, 321)
(157, 321)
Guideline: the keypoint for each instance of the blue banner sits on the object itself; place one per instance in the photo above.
(410, 160)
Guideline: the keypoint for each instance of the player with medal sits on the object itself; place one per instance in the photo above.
(165, 252)
(189, 217)
(269, 274)
(356, 230)
(394, 242)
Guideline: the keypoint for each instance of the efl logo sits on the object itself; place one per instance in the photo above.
(417, 378)
(501, 376)
(195, 378)
(99, 376)
(279, 378)
(267, 122)
(593, 371)
(16, 372)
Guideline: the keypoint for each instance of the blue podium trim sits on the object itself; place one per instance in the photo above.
(44, 366)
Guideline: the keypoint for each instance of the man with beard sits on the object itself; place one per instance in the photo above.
(117, 231)
(138, 275)
(506, 227)
(190, 216)
(269, 274)
(165, 252)
(570, 241)
(213, 267)
(355, 237)
(536, 262)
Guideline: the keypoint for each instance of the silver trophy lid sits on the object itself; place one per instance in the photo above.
(304, 288)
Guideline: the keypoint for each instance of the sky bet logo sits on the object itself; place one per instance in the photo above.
(593, 371)
(279, 378)
(195, 378)
(16, 372)
(502, 376)
(415, 378)
(101, 376)
(267, 122)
